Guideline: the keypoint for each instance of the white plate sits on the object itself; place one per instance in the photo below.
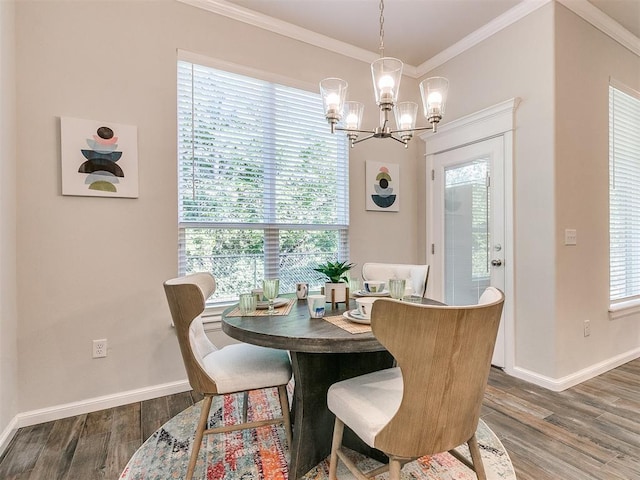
(364, 293)
(356, 314)
(278, 302)
(356, 317)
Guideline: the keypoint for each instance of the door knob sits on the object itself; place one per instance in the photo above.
(496, 263)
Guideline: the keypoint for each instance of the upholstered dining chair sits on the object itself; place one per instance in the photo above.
(232, 369)
(430, 403)
(415, 275)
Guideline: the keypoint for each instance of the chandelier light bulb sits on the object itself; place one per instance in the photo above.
(435, 100)
(333, 102)
(405, 121)
(406, 113)
(353, 115)
(386, 84)
(434, 95)
(386, 73)
(351, 120)
(334, 93)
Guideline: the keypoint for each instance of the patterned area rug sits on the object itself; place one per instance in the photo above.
(261, 454)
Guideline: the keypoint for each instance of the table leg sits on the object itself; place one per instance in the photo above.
(314, 373)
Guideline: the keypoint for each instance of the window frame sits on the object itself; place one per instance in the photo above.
(630, 304)
(271, 230)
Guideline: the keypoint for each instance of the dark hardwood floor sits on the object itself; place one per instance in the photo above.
(588, 432)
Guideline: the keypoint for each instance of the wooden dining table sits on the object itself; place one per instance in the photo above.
(321, 354)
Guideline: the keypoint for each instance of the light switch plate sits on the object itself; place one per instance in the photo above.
(570, 236)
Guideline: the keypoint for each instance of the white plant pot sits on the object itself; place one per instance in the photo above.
(340, 290)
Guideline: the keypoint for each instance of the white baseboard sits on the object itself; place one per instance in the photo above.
(100, 403)
(57, 412)
(560, 384)
(7, 434)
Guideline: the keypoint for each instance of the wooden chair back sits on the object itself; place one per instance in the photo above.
(186, 297)
(444, 354)
(415, 275)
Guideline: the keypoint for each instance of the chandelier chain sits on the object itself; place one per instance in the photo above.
(381, 28)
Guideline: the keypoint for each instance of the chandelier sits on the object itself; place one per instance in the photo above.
(386, 73)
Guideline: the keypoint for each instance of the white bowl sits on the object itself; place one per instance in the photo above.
(374, 286)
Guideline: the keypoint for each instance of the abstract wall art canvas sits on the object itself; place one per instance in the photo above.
(99, 159)
(382, 186)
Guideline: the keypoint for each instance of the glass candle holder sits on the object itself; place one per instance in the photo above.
(247, 303)
(396, 288)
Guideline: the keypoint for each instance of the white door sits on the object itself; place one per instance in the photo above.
(468, 239)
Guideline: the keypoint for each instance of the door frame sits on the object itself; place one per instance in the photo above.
(498, 120)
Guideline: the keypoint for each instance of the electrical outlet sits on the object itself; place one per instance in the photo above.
(587, 328)
(100, 348)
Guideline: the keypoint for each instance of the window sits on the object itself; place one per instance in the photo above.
(466, 229)
(262, 183)
(624, 201)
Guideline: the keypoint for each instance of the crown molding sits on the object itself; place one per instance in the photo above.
(235, 12)
(604, 23)
(508, 18)
(582, 8)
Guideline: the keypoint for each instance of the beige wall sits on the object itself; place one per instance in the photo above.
(92, 267)
(8, 315)
(585, 60)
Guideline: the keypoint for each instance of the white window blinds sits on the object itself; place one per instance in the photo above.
(624, 199)
(263, 185)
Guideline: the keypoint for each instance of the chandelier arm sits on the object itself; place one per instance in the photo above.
(361, 139)
(417, 129)
(404, 142)
(351, 130)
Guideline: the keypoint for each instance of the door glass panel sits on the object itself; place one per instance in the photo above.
(466, 232)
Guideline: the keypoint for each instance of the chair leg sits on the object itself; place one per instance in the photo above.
(478, 466)
(338, 430)
(286, 414)
(394, 468)
(197, 441)
(245, 405)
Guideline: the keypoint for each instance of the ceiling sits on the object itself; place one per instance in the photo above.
(414, 30)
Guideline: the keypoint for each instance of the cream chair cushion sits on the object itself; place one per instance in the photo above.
(241, 367)
(367, 403)
(238, 367)
(490, 295)
(200, 343)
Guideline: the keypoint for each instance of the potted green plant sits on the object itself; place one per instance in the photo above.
(336, 279)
